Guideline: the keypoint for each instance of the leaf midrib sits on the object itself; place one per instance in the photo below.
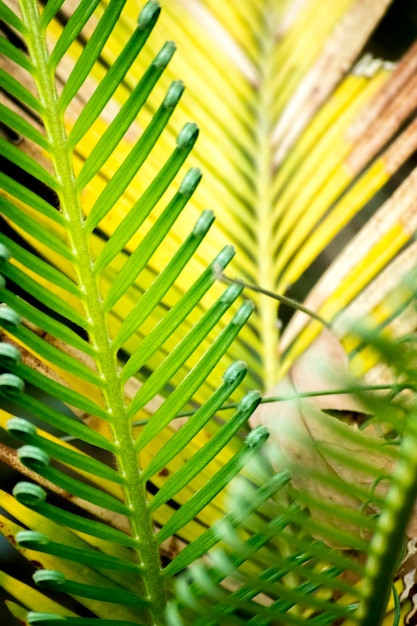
(263, 208)
(96, 319)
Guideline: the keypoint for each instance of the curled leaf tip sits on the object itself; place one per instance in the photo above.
(190, 182)
(165, 55)
(31, 539)
(231, 292)
(9, 355)
(20, 428)
(234, 372)
(11, 385)
(29, 494)
(203, 223)
(222, 259)
(244, 312)
(250, 401)
(49, 578)
(173, 94)
(33, 457)
(257, 437)
(8, 317)
(149, 15)
(187, 136)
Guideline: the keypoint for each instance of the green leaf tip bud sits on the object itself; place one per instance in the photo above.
(149, 15)
(8, 317)
(11, 385)
(31, 539)
(164, 55)
(235, 372)
(49, 578)
(244, 313)
(222, 259)
(173, 95)
(9, 355)
(257, 437)
(188, 135)
(33, 457)
(29, 494)
(190, 181)
(203, 223)
(231, 293)
(250, 401)
(20, 428)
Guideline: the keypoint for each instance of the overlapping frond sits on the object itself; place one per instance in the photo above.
(72, 350)
(314, 124)
(316, 529)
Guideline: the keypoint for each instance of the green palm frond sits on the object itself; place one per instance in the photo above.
(130, 348)
(70, 296)
(316, 529)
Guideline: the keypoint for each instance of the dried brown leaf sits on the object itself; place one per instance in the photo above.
(317, 447)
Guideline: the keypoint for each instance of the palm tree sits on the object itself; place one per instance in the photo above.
(155, 484)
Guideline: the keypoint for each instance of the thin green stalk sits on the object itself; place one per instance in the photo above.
(395, 388)
(100, 339)
(294, 304)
